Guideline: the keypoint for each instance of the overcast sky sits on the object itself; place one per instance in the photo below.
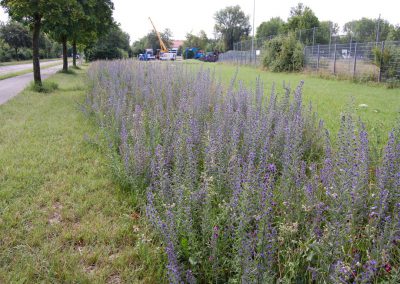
(182, 16)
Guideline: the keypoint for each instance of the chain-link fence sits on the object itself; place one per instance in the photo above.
(242, 51)
(242, 57)
(372, 61)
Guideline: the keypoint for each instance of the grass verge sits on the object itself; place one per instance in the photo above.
(26, 71)
(329, 98)
(25, 61)
(63, 218)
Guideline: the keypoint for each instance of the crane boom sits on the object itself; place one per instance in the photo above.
(162, 45)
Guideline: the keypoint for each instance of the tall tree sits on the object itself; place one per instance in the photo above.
(326, 31)
(16, 36)
(231, 25)
(113, 45)
(63, 23)
(272, 27)
(301, 18)
(32, 13)
(96, 22)
(394, 33)
(365, 29)
(200, 41)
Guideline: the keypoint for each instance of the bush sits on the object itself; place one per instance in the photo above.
(283, 54)
(46, 87)
(188, 54)
(388, 61)
(247, 188)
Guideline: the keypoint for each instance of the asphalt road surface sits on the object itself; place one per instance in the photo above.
(11, 87)
(16, 68)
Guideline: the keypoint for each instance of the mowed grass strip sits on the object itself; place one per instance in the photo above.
(25, 61)
(63, 219)
(26, 71)
(329, 98)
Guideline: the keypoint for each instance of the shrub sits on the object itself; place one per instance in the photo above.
(46, 87)
(283, 54)
(388, 61)
(242, 187)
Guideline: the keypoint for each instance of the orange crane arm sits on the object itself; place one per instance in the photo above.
(162, 45)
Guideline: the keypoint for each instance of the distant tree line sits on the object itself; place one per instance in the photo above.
(303, 19)
(43, 29)
(16, 43)
(150, 41)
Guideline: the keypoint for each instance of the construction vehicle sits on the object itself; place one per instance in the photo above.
(148, 55)
(164, 54)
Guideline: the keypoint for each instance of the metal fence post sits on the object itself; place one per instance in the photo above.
(241, 52)
(355, 60)
(334, 60)
(313, 39)
(381, 62)
(318, 59)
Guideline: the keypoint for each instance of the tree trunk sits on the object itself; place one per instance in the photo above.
(35, 49)
(74, 53)
(16, 54)
(65, 55)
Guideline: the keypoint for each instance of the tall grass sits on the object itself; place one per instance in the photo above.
(244, 187)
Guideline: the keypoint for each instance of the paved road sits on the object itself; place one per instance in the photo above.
(16, 68)
(13, 86)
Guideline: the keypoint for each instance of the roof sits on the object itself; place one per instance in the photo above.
(177, 43)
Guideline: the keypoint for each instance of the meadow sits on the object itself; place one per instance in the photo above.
(377, 106)
(144, 173)
(247, 186)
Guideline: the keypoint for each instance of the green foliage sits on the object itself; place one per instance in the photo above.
(283, 54)
(96, 22)
(200, 41)
(394, 33)
(45, 87)
(301, 18)
(388, 61)
(113, 45)
(151, 41)
(16, 36)
(325, 30)
(274, 26)
(231, 25)
(364, 30)
(188, 54)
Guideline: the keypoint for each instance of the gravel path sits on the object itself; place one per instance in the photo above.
(11, 87)
(16, 68)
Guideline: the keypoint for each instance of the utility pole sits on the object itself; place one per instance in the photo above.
(377, 30)
(252, 39)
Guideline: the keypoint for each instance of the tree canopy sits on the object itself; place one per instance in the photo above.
(231, 25)
(272, 27)
(200, 41)
(365, 29)
(15, 35)
(112, 45)
(301, 18)
(151, 41)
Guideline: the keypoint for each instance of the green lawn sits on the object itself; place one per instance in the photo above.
(63, 218)
(329, 97)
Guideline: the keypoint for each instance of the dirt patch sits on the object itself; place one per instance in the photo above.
(55, 218)
(114, 279)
